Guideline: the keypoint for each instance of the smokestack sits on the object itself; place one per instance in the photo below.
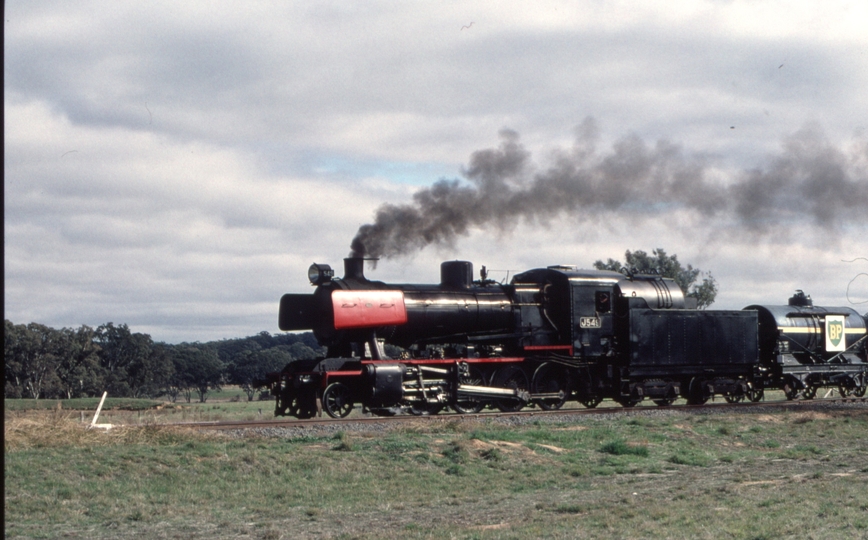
(354, 268)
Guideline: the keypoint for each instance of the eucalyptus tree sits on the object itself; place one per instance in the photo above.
(658, 262)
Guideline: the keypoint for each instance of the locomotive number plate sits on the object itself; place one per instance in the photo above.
(589, 322)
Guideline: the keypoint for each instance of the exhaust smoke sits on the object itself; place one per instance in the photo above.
(810, 179)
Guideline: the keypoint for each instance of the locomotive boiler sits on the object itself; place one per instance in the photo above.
(551, 335)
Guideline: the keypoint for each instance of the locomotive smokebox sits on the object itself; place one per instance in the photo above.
(354, 268)
(456, 274)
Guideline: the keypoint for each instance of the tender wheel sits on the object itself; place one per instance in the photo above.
(859, 391)
(470, 405)
(586, 395)
(628, 401)
(591, 401)
(510, 377)
(733, 398)
(337, 400)
(791, 389)
(550, 379)
(845, 391)
(698, 393)
(670, 397)
(755, 392)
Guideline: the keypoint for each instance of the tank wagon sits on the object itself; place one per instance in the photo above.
(551, 335)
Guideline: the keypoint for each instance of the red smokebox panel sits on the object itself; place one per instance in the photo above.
(368, 309)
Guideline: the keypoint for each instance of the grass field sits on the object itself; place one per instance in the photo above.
(229, 403)
(637, 475)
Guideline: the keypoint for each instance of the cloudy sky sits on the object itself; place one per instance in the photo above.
(177, 166)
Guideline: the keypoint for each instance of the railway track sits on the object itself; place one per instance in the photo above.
(451, 417)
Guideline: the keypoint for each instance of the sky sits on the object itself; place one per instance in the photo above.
(177, 166)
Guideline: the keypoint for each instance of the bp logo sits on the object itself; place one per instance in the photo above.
(835, 341)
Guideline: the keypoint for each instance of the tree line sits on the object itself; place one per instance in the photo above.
(44, 362)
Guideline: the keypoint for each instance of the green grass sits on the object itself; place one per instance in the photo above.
(621, 448)
(673, 476)
(80, 404)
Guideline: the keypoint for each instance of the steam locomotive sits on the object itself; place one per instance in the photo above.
(552, 335)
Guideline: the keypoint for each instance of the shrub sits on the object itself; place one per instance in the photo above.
(621, 448)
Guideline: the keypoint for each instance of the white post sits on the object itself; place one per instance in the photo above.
(98, 409)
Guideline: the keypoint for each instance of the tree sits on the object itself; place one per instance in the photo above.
(31, 359)
(150, 373)
(198, 368)
(78, 366)
(182, 381)
(667, 266)
(126, 358)
(249, 368)
(12, 367)
(300, 351)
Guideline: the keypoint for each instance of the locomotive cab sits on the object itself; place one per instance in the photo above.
(593, 310)
(564, 308)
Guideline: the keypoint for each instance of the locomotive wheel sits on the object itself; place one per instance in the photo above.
(510, 377)
(303, 404)
(282, 404)
(385, 411)
(305, 409)
(810, 392)
(337, 400)
(550, 379)
(421, 408)
(470, 405)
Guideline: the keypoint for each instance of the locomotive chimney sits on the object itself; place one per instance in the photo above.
(354, 268)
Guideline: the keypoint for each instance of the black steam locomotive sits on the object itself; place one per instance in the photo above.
(552, 335)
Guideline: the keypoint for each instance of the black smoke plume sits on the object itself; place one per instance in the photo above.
(810, 179)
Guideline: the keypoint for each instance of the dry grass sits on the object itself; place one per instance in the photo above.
(59, 428)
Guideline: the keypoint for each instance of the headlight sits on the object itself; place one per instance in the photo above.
(319, 274)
